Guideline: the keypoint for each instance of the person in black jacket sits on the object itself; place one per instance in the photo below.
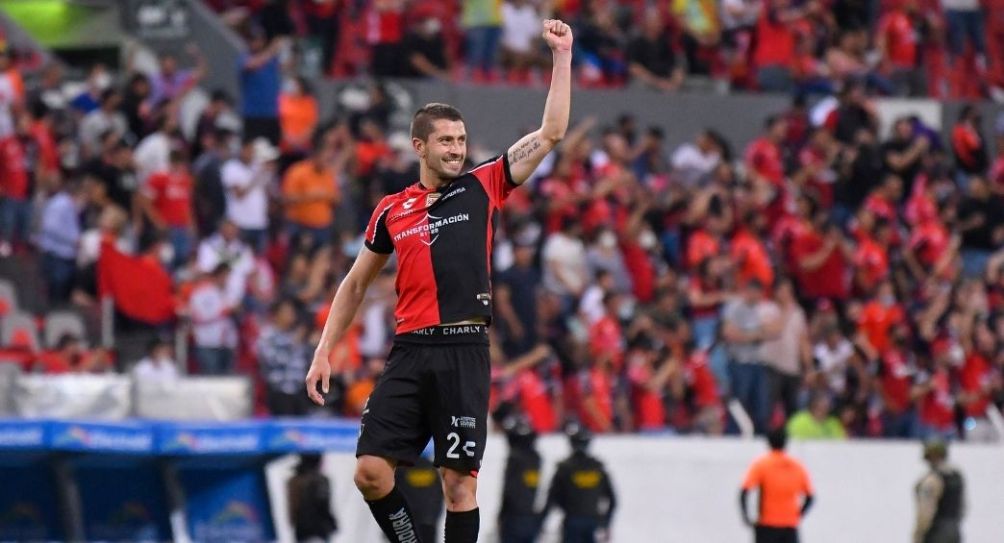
(581, 487)
(941, 501)
(517, 517)
(423, 489)
(309, 493)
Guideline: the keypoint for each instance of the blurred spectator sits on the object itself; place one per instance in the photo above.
(283, 356)
(747, 322)
(213, 329)
(900, 35)
(309, 496)
(516, 293)
(601, 48)
(58, 238)
(981, 223)
(816, 422)
(324, 18)
(113, 171)
(226, 247)
(105, 118)
(833, 355)
(310, 192)
(20, 161)
(158, 365)
(790, 355)
(965, 25)
(967, 143)
(652, 57)
(218, 116)
(897, 372)
(425, 50)
(260, 82)
(171, 83)
(694, 163)
(298, 117)
(167, 202)
(209, 195)
(739, 20)
(520, 39)
(482, 23)
(566, 270)
(98, 81)
(246, 178)
(385, 27)
(775, 45)
(153, 153)
(136, 104)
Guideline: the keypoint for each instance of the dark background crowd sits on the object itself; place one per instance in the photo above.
(939, 48)
(826, 276)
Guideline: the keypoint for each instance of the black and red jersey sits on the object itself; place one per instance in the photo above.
(443, 240)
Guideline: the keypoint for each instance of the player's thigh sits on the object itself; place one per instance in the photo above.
(394, 424)
(458, 405)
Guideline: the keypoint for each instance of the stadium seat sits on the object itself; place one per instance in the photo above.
(59, 323)
(8, 298)
(19, 330)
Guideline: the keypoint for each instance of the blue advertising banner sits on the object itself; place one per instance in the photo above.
(123, 504)
(28, 504)
(292, 435)
(22, 435)
(210, 439)
(119, 437)
(227, 505)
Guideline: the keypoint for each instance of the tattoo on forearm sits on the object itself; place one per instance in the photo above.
(524, 150)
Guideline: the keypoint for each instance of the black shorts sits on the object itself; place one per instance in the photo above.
(435, 385)
(771, 534)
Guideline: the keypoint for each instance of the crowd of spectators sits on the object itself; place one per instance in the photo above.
(939, 48)
(826, 276)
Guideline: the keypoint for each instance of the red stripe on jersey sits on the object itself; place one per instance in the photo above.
(418, 305)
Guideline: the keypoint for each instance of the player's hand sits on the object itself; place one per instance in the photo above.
(320, 370)
(557, 35)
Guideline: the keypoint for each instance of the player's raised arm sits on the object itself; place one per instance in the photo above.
(343, 309)
(526, 154)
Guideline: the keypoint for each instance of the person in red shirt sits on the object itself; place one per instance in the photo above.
(822, 255)
(167, 203)
(978, 383)
(877, 319)
(606, 339)
(936, 404)
(933, 250)
(750, 255)
(775, 45)
(897, 40)
(967, 142)
(648, 378)
(871, 257)
(896, 382)
(765, 167)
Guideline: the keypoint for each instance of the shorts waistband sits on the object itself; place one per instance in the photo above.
(454, 333)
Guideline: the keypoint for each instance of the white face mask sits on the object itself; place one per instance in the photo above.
(102, 80)
(166, 254)
(431, 26)
(607, 240)
(647, 240)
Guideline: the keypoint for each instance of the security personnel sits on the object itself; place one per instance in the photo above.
(582, 489)
(423, 489)
(940, 498)
(517, 517)
(309, 495)
(785, 492)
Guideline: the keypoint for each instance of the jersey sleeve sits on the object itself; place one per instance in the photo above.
(753, 477)
(377, 236)
(496, 178)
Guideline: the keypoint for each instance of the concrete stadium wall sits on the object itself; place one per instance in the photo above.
(685, 489)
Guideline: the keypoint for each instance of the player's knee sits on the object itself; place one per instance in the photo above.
(459, 490)
(374, 477)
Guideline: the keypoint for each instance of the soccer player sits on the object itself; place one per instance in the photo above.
(437, 375)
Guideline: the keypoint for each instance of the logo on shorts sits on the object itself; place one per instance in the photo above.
(463, 422)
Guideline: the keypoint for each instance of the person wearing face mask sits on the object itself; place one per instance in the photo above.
(426, 51)
(897, 372)
(158, 364)
(604, 255)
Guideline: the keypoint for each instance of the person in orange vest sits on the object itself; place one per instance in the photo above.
(785, 492)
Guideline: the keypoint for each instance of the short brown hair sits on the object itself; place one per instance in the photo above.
(421, 123)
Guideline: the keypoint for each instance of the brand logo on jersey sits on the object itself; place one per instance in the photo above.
(454, 192)
(463, 422)
(432, 226)
(485, 298)
(431, 198)
(408, 203)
